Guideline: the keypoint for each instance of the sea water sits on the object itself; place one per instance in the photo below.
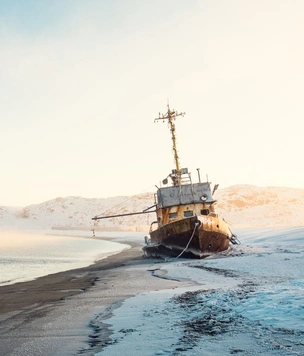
(26, 256)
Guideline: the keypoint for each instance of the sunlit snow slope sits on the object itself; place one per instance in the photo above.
(240, 205)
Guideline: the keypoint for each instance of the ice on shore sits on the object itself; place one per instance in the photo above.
(248, 302)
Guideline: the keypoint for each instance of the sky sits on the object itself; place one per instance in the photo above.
(82, 82)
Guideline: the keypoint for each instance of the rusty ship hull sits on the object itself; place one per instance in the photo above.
(189, 238)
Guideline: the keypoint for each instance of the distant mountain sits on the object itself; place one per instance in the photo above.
(240, 205)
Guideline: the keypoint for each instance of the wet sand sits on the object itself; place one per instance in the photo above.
(65, 313)
(58, 286)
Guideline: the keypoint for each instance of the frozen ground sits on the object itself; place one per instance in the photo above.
(248, 301)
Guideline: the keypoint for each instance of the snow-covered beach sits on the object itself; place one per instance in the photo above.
(248, 301)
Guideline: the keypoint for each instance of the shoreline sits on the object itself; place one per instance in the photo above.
(98, 253)
(135, 306)
(35, 311)
(61, 284)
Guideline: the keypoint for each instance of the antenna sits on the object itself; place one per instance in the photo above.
(171, 115)
(199, 175)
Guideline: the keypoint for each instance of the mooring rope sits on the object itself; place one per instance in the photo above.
(195, 227)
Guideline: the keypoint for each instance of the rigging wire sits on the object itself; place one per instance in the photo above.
(95, 224)
(123, 202)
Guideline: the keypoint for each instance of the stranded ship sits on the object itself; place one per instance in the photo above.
(186, 224)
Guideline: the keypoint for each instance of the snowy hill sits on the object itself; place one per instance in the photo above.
(249, 205)
(240, 205)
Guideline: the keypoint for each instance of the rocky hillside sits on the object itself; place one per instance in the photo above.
(240, 205)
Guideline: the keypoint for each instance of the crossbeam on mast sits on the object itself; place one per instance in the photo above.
(171, 116)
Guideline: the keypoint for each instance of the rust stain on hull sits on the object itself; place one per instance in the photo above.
(209, 238)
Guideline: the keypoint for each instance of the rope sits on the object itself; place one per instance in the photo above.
(195, 227)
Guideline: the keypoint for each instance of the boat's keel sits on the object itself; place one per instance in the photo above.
(160, 250)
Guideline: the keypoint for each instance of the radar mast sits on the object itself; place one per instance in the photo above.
(171, 116)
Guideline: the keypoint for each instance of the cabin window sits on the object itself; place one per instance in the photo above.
(172, 216)
(205, 211)
(188, 213)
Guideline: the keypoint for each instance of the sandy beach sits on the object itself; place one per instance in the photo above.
(247, 300)
(53, 315)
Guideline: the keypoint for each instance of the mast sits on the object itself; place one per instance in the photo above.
(171, 116)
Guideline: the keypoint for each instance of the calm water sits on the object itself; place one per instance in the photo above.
(25, 256)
